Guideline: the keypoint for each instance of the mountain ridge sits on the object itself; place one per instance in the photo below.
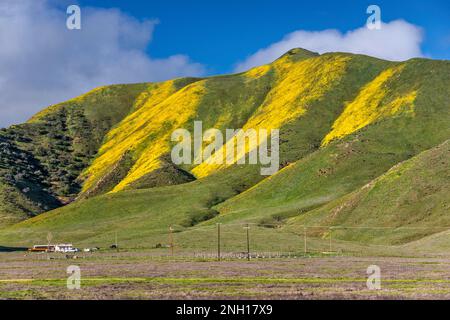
(344, 120)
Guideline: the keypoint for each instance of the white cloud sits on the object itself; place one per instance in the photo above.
(42, 62)
(397, 41)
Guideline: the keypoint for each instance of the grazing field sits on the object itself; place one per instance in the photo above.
(152, 275)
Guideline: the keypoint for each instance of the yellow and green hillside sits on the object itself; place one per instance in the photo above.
(345, 121)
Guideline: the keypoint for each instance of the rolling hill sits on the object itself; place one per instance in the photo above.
(412, 196)
(363, 142)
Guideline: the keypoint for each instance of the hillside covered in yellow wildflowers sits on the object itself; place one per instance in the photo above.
(345, 120)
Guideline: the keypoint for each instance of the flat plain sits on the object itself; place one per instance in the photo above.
(142, 274)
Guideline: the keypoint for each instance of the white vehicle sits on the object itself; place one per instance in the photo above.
(65, 248)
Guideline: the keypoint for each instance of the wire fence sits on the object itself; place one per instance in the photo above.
(256, 241)
(259, 241)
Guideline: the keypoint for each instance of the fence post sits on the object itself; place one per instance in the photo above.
(171, 240)
(331, 229)
(218, 242)
(248, 242)
(115, 241)
(49, 239)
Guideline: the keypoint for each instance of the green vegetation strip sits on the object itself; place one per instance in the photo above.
(258, 280)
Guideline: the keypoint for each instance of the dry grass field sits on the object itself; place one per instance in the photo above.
(144, 275)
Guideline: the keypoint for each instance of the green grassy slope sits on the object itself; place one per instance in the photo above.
(65, 138)
(352, 161)
(411, 199)
(134, 214)
(219, 102)
(344, 121)
(40, 160)
(300, 93)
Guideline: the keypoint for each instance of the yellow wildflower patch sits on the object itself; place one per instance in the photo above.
(370, 106)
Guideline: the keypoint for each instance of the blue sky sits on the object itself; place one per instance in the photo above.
(42, 62)
(220, 33)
